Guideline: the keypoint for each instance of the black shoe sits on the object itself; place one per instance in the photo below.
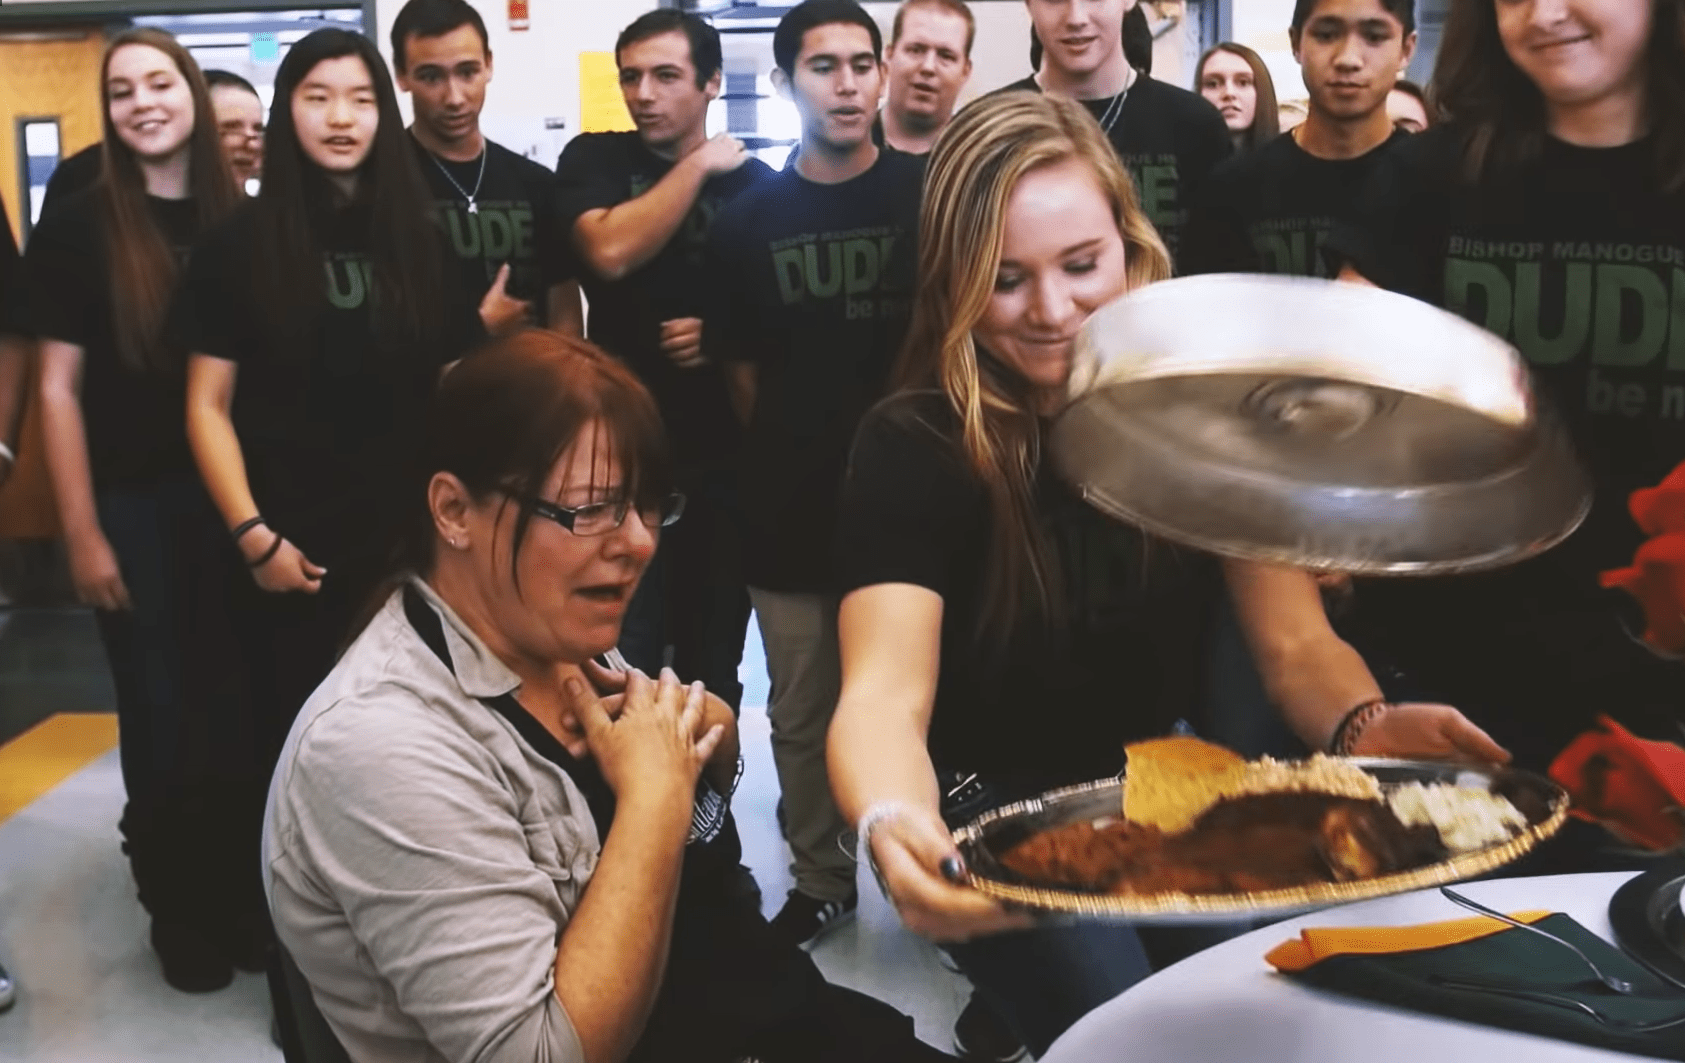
(805, 919)
(192, 962)
(981, 1035)
(8, 990)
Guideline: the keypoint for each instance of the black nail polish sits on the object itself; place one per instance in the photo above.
(953, 869)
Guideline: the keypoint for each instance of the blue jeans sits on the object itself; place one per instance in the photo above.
(154, 530)
(1042, 981)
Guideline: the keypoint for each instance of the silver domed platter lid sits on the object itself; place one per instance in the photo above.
(1315, 423)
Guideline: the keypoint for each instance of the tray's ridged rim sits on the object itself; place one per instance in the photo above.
(1321, 895)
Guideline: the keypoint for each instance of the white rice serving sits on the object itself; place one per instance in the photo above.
(1467, 818)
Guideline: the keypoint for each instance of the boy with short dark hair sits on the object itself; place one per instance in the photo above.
(1270, 210)
(813, 272)
(494, 205)
(638, 207)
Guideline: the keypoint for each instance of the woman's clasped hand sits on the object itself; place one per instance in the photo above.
(645, 739)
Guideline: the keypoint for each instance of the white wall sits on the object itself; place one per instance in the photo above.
(535, 71)
(1262, 26)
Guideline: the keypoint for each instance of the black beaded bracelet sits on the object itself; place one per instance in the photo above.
(1352, 724)
(274, 548)
(243, 527)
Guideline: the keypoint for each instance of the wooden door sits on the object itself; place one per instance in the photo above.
(44, 73)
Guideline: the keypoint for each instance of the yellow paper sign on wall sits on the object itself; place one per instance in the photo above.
(601, 107)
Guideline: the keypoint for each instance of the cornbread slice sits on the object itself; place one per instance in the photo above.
(1170, 781)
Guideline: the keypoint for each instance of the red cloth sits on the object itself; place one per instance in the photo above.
(1656, 576)
(1628, 784)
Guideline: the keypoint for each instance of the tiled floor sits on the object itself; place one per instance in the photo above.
(73, 935)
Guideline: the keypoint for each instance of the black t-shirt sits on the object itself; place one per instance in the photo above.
(11, 280)
(135, 418)
(813, 284)
(1579, 260)
(329, 418)
(1051, 706)
(601, 170)
(1170, 139)
(515, 222)
(72, 175)
(1272, 209)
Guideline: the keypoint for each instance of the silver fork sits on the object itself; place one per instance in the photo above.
(1618, 985)
(1538, 996)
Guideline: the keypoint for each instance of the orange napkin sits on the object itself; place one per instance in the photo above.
(1315, 944)
(1656, 576)
(1626, 783)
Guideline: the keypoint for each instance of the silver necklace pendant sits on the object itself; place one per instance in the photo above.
(473, 207)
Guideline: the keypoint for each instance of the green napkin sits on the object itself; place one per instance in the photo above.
(1518, 959)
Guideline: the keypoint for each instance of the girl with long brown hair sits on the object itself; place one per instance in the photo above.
(1236, 81)
(1549, 207)
(999, 636)
(102, 269)
(318, 323)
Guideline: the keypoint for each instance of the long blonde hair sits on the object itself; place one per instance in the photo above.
(973, 171)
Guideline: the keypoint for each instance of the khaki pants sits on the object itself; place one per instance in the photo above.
(800, 635)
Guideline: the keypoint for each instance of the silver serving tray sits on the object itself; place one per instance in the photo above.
(982, 841)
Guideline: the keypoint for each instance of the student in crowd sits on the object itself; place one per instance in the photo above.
(1138, 41)
(978, 584)
(102, 269)
(496, 207)
(926, 69)
(239, 124)
(640, 206)
(318, 320)
(928, 63)
(1236, 81)
(1168, 137)
(1548, 207)
(1407, 106)
(812, 274)
(535, 865)
(1270, 211)
(236, 105)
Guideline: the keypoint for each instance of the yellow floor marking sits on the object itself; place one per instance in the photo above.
(49, 753)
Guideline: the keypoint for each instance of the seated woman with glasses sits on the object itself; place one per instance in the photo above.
(484, 842)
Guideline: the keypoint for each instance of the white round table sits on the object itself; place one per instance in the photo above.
(1226, 1005)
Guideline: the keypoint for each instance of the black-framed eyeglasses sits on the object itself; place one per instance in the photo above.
(600, 518)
